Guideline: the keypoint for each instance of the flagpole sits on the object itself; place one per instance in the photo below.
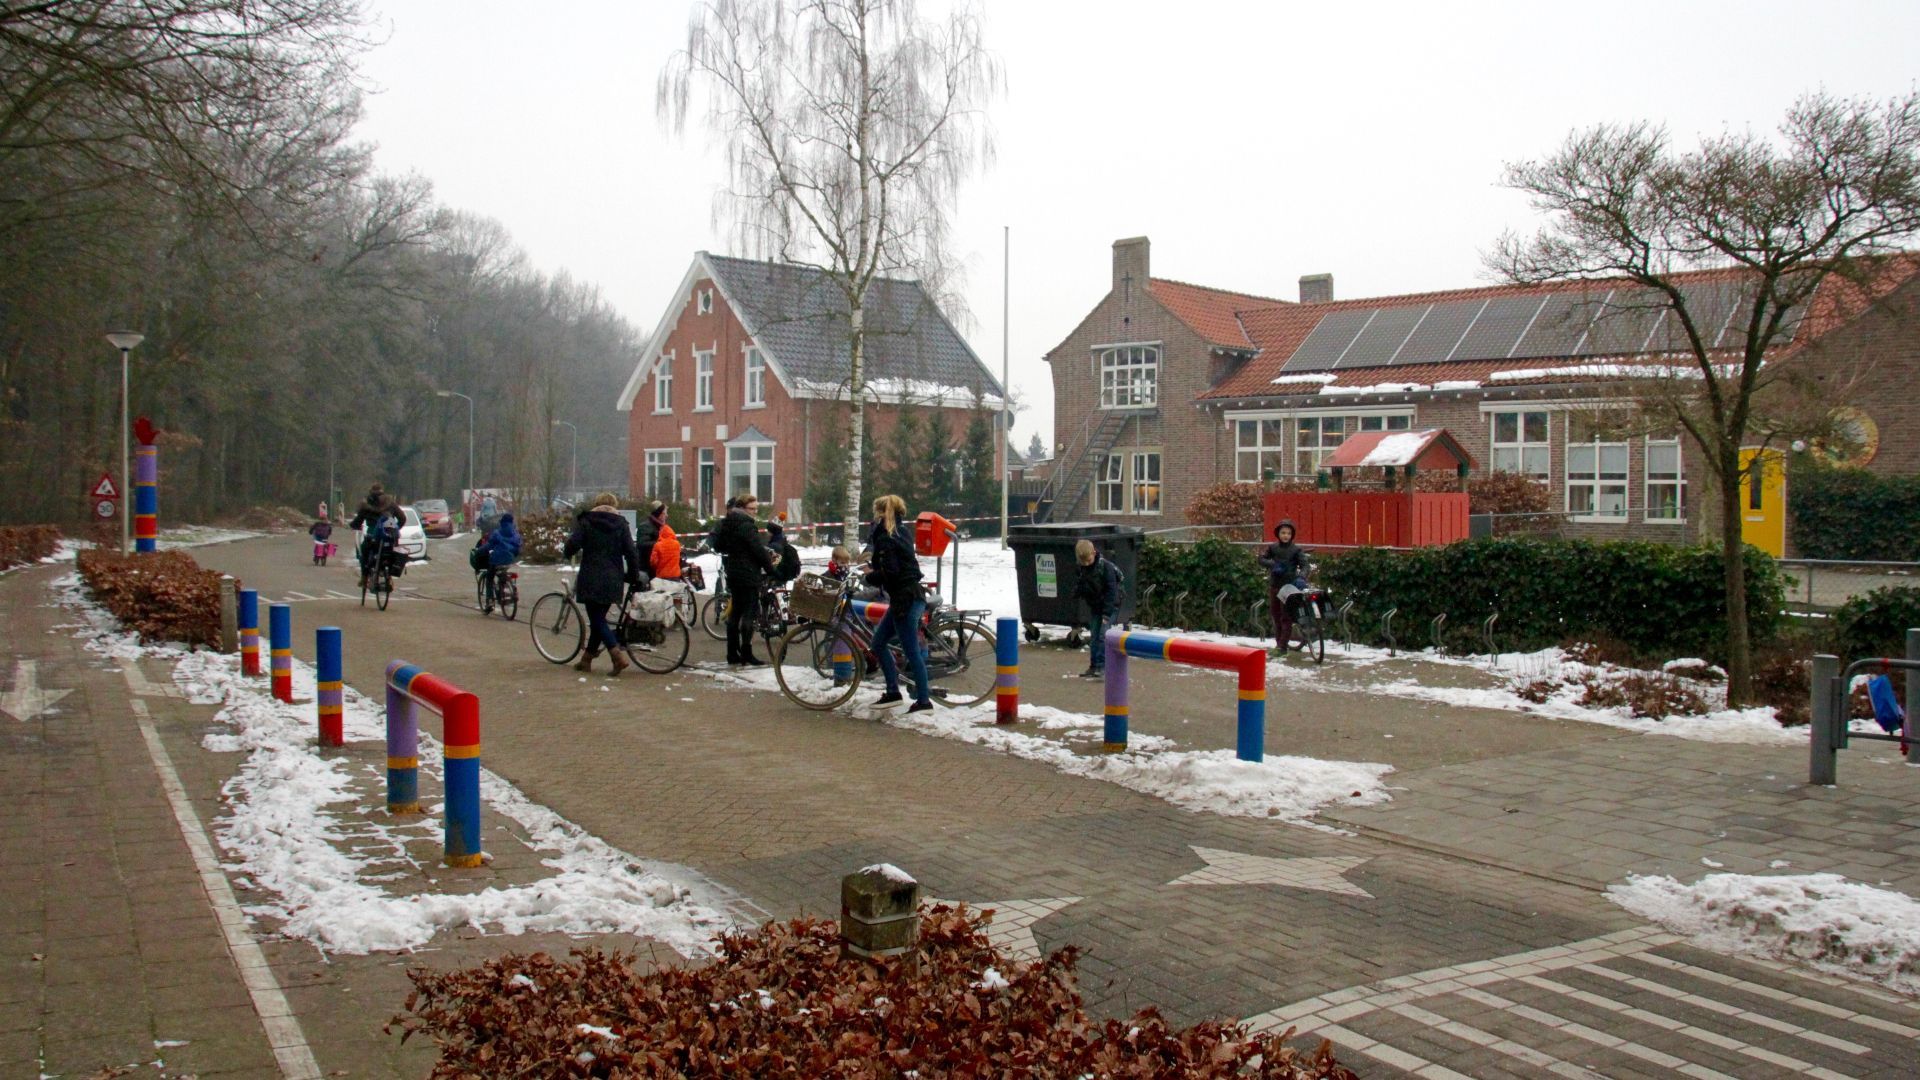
(1006, 388)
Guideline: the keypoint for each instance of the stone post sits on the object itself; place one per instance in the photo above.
(879, 911)
(229, 614)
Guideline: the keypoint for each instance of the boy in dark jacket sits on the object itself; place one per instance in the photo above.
(1098, 585)
(746, 561)
(1287, 564)
(786, 557)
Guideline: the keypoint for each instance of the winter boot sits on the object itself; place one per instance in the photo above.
(585, 663)
(620, 663)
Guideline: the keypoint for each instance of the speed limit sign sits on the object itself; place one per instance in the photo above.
(104, 508)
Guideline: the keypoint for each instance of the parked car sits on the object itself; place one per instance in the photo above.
(435, 518)
(413, 537)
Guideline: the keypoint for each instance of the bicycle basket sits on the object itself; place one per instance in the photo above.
(814, 597)
(644, 633)
(653, 608)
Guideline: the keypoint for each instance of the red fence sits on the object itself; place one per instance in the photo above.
(1370, 518)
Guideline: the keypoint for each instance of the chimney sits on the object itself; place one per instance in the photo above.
(1316, 288)
(1129, 265)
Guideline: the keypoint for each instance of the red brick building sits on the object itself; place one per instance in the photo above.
(1166, 388)
(746, 379)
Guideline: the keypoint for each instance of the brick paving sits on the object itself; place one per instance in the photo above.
(1501, 830)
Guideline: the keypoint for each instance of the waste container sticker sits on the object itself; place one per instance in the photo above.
(1045, 581)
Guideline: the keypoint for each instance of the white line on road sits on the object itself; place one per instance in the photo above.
(1468, 1033)
(289, 1043)
(300, 596)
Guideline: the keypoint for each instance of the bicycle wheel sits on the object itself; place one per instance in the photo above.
(481, 599)
(961, 663)
(382, 587)
(558, 627)
(1312, 628)
(669, 654)
(713, 616)
(804, 665)
(509, 597)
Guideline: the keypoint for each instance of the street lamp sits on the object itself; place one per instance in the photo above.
(456, 393)
(573, 480)
(125, 340)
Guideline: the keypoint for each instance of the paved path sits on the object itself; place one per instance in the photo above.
(1459, 928)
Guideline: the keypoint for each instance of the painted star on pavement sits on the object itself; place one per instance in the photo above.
(1235, 868)
(1011, 930)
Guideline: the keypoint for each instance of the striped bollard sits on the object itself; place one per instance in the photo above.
(460, 737)
(1006, 683)
(1114, 741)
(146, 497)
(1249, 663)
(249, 632)
(403, 752)
(331, 690)
(280, 641)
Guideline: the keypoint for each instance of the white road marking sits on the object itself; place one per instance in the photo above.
(338, 595)
(1724, 1009)
(300, 596)
(1390, 1055)
(1468, 1033)
(1598, 1038)
(1012, 927)
(1798, 1001)
(289, 1043)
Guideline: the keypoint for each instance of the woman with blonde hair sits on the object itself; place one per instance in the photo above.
(896, 569)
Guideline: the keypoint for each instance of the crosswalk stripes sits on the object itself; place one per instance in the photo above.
(1471, 1011)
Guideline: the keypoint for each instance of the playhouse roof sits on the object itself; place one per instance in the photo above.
(1433, 447)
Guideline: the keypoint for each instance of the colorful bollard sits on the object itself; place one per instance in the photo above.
(403, 751)
(331, 688)
(460, 718)
(280, 640)
(1250, 664)
(249, 632)
(146, 497)
(1006, 682)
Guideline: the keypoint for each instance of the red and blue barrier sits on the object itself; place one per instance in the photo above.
(1006, 660)
(408, 690)
(1250, 663)
(249, 632)
(146, 495)
(280, 641)
(330, 687)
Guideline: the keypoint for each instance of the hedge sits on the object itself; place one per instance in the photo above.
(1852, 513)
(1653, 598)
(161, 595)
(1876, 623)
(22, 544)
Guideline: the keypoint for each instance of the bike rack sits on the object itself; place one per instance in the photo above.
(1829, 733)
(1220, 612)
(1180, 610)
(1146, 598)
(1436, 628)
(1486, 632)
(1344, 617)
(1250, 662)
(1257, 619)
(1386, 628)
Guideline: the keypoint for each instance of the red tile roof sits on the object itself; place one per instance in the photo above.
(1214, 314)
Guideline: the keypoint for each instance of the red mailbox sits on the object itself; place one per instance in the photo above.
(930, 533)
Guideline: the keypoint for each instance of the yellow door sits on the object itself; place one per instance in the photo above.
(1763, 500)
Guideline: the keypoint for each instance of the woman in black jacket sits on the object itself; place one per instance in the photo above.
(746, 561)
(895, 567)
(607, 562)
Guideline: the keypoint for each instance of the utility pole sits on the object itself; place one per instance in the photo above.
(1006, 388)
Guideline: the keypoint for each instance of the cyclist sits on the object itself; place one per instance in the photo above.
(746, 561)
(377, 520)
(896, 569)
(500, 549)
(1287, 564)
(608, 562)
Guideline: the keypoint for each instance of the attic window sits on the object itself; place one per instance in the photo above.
(703, 301)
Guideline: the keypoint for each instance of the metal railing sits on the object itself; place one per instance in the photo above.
(1810, 569)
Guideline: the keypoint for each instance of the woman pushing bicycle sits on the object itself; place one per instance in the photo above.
(895, 567)
(608, 561)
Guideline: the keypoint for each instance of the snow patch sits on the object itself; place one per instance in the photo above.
(890, 872)
(1312, 377)
(1397, 449)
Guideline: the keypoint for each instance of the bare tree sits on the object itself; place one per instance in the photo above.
(849, 127)
(1839, 187)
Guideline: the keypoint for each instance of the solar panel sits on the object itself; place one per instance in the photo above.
(1622, 325)
(1330, 338)
(1382, 337)
(1708, 304)
(1439, 332)
(1498, 329)
(1558, 328)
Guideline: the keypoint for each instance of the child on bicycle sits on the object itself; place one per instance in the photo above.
(839, 563)
(501, 548)
(1099, 586)
(322, 532)
(1287, 565)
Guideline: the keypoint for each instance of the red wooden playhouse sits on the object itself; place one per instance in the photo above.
(1397, 516)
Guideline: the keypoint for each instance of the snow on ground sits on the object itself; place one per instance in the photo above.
(1822, 919)
(191, 536)
(1753, 727)
(987, 580)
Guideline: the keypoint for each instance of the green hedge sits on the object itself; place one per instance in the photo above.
(1876, 623)
(1654, 598)
(1852, 513)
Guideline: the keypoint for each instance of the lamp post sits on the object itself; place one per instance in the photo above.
(125, 340)
(456, 393)
(573, 476)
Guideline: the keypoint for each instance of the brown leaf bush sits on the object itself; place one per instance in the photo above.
(1648, 695)
(1236, 504)
(22, 544)
(162, 596)
(782, 1002)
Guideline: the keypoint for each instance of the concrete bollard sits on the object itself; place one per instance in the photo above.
(1006, 683)
(331, 689)
(879, 912)
(249, 632)
(1823, 732)
(229, 614)
(280, 641)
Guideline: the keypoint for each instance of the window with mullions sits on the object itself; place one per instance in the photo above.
(756, 377)
(702, 381)
(1110, 485)
(1146, 483)
(663, 384)
(1130, 377)
(750, 468)
(663, 475)
(1315, 438)
(1596, 478)
(1520, 444)
(1666, 482)
(1259, 446)
(1397, 422)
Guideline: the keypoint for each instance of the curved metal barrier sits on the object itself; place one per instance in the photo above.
(409, 689)
(1249, 662)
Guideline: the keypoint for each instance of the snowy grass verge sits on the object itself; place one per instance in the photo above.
(1820, 919)
(191, 536)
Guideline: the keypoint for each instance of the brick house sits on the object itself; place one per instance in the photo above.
(745, 380)
(1165, 387)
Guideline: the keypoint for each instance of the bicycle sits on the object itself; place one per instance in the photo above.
(498, 587)
(822, 660)
(378, 577)
(655, 637)
(713, 614)
(1311, 613)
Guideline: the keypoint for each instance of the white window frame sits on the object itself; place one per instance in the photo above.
(663, 385)
(1321, 448)
(1521, 449)
(1137, 497)
(1599, 479)
(704, 461)
(756, 364)
(703, 302)
(759, 459)
(1129, 375)
(1110, 478)
(663, 458)
(1269, 444)
(703, 380)
(1678, 481)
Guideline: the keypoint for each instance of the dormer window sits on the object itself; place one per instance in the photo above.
(703, 301)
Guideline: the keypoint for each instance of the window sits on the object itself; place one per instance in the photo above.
(1666, 484)
(1130, 377)
(1146, 483)
(703, 302)
(1520, 444)
(702, 381)
(706, 479)
(663, 385)
(756, 378)
(1596, 478)
(1109, 486)
(663, 475)
(1259, 446)
(1397, 422)
(1315, 438)
(750, 468)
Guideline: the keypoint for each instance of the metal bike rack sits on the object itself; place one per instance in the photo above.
(1146, 599)
(1344, 617)
(1180, 610)
(1486, 632)
(1257, 619)
(1220, 612)
(1829, 733)
(1386, 628)
(1438, 627)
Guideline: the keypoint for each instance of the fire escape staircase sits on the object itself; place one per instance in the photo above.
(1081, 461)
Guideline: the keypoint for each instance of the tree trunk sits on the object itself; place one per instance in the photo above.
(857, 412)
(1733, 551)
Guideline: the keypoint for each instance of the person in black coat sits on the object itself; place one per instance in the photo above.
(895, 567)
(1287, 564)
(647, 533)
(746, 561)
(1098, 586)
(608, 561)
(376, 513)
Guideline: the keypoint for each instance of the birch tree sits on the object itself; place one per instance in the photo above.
(849, 126)
(1838, 188)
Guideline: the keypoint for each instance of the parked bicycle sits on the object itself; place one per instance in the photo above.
(713, 613)
(652, 625)
(824, 658)
(499, 587)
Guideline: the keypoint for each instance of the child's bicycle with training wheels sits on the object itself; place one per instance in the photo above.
(826, 656)
(651, 625)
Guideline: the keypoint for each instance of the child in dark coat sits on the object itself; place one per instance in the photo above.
(1287, 564)
(1098, 585)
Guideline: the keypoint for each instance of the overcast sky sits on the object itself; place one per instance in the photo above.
(1252, 141)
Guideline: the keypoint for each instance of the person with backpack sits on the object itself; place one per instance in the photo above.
(377, 521)
(1099, 587)
(895, 568)
(747, 562)
(786, 565)
(1287, 564)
